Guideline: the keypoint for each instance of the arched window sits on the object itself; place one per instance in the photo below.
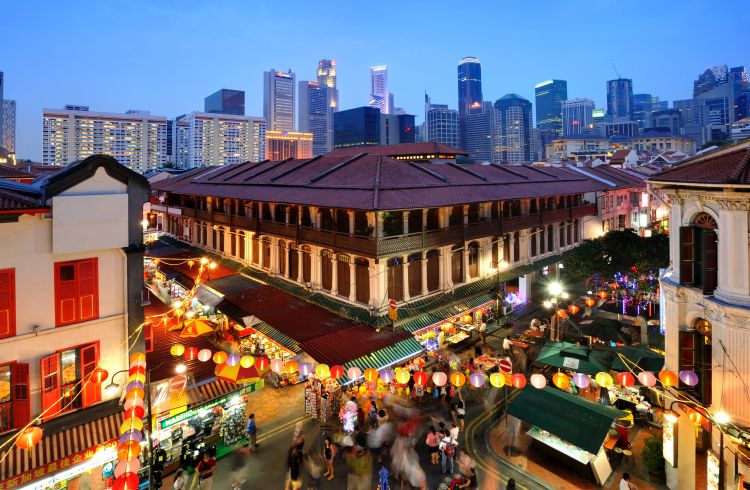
(281, 254)
(306, 263)
(533, 238)
(699, 253)
(433, 270)
(343, 280)
(362, 278)
(695, 355)
(473, 251)
(293, 261)
(266, 253)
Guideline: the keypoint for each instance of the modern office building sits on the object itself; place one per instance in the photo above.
(620, 99)
(708, 116)
(549, 96)
(441, 125)
(8, 123)
(136, 139)
(469, 85)
(316, 115)
(2, 95)
(643, 107)
(477, 130)
(577, 116)
(327, 77)
(625, 129)
(668, 119)
(225, 101)
(396, 129)
(513, 121)
(218, 139)
(380, 97)
(278, 100)
(356, 127)
(281, 145)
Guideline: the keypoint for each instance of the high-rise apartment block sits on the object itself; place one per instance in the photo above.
(620, 99)
(469, 85)
(380, 97)
(282, 145)
(218, 139)
(136, 139)
(578, 116)
(549, 95)
(278, 100)
(225, 101)
(8, 123)
(512, 130)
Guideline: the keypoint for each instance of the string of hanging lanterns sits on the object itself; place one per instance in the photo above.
(131, 430)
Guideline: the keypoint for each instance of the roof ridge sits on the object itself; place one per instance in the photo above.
(376, 185)
(740, 174)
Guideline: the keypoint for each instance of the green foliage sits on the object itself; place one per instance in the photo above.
(653, 456)
(618, 251)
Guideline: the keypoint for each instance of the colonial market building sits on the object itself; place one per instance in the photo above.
(71, 274)
(706, 310)
(358, 228)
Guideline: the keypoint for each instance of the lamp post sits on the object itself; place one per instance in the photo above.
(112, 387)
(558, 295)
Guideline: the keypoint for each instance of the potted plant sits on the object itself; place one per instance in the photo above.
(653, 458)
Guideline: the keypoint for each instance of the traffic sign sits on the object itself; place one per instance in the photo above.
(392, 304)
(505, 365)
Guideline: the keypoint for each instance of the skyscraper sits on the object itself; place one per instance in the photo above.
(327, 78)
(2, 86)
(380, 97)
(356, 127)
(278, 100)
(549, 96)
(396, 129)
(441, 125)
(578, 116)
(316, 115)
(643, 106)
(225, 101)
(620, 99)
(512, 125)
(8, 130)
(469, 85)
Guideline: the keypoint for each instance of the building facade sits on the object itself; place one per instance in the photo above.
(218, 139)
(380, 97)
(396, 129)
(620, 99)
(71, 278)
(469, 85)
(663, 141)
(706, 305)
(8, 131)
(441, 125)
(356, 127)
(136, 139)
(327, 77)
(577, 116)
(549, 96)
(281, 145)
(667, 119)
(316, 115)
(477, 129)
(512, 130)
(278, 100)
(644, 106)
(225, 101)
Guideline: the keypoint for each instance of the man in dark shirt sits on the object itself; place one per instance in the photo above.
(294, 480)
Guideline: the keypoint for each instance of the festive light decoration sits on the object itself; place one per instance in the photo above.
(439, 378)
(647, 378)
(420, 378)
(371, 375)
(562, 314)
(458, 379)
(604, 380)
(387, 375)
(518, 380)
(561, 380)
(403, 376)
(29, 437)
(277, 365)
(603, 294)
(476, 380)
(668, 378)
(135, 393)
(220, 357)
(136, 411)
(191, 353)
(247, 361)
(137, 377)
(262, 363)
(625, 379)
(574, 309)
(291, 367)
(138, 356)
(177, 350)
(131, 466)
(497, 380)
(690, 378)
(99, 375)
(129, 450)
(581, 380)
(126, 481)
(306, 368)
(131, 424)
(353, 373)
(590, 302)
(322, 371)
(337, 371)
(204, 355)
(137, 369)
(538, 381)
(233, 359)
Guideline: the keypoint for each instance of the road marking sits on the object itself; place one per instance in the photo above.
(281, 428)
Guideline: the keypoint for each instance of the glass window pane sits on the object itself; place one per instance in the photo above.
(4, 384)
(69, 366)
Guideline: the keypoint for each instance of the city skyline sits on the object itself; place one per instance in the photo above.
(37, 77)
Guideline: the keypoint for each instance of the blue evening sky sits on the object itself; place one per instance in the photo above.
(166, 56)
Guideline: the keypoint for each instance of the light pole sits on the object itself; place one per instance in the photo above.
(558, 295)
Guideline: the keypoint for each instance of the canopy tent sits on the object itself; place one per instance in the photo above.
(644, 358)
(602, 328)
(579, 358)
(578, 421)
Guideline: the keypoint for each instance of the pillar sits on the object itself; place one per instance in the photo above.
(446, 279)
(250, 244)
(380, 293)
(683, 476)
(375, 292)
(443, 214)
(352, 279)
(524, 287)
(274, 252)
(315, 268)
(300, 266)
(228, 235)
(350, 214)
(378, 224)
(405, 268)
(334, 275)
(423, 270)
(405, 219)
(286, 259)
(465, 253)
(511, 246)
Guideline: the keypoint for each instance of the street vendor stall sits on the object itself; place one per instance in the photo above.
(322, 397)
(567, 428)
(451, 327)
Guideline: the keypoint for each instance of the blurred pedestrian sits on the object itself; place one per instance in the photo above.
(373, 414)
(359, 460)
(205, 471)
(294, 476)
(383, 478)
(483, 330)
(511, 484)
(180, 480)
(252, 432)
(432, 442)
(447, 448)
(237, 463)
(329, 452)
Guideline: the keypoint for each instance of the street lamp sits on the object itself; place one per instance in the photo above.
(112, 388)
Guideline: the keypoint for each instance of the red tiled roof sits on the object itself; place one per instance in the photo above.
(376, 182)
(404, 149)
(15, 173)
(622, 178)
(729, 165)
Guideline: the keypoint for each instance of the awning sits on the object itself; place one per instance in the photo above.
(641, 355)
(579, 358)
(386, 358)
(208, 296)
(578, 421)
(278, 337)
(67, 448)
(443, 314)
(179, 277)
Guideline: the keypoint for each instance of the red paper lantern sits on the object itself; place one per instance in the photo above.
(191, 353)
(337, 371)
(590, 302)
(626, 379)
(420, 378)
(135, 411)
(136, 370)
(518, 380)
(562, 314)
(574, 309)
(262, 363)
(603, 294)
(99, 375)
(128, 481)
(28, 438)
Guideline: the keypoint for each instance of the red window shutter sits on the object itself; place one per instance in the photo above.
(710, 261)
(65, 294)
(21, 403)
(687, 350)
(687, 254)
(50, 371)
(148, 337)
(92, 392)
(88, 289)
(7, 303)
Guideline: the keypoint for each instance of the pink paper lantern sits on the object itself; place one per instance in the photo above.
(439, 378)
(130, 466)
(647, 378)
(204, 355)
(354, 373)
(538, 381)
(277, 365)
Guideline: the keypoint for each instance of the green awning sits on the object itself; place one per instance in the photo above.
(278, 337)
(445, 313)
(641, 355)
(578, 421)
(578, 358)
(386, 357)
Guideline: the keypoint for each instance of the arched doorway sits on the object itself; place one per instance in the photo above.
(415, 274)
(362, 278)
(457, 264)
(266, 253)
(396, 279)
(473, 251)
(306, 263)
(293, 262)
(281, 253)
(326, 269)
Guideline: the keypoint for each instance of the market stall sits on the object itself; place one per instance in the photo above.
(322, 399)
(567, 428)
(449, 327)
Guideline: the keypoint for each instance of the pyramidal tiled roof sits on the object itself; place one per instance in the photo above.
(727, 165)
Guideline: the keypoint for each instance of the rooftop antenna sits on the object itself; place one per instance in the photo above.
(615, 69)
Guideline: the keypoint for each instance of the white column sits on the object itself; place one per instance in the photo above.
(352, 280)
(375, 292)
(274, 253)
(734, 285)
(524, 287)
(684, 475)
(300, 266)
(381, 292)
(405, 218)
(316, 268)
(465, 255)
(405, 268)
(334, 275)
(286, 259)
(350, 214)
(446, 272)
(423, 261)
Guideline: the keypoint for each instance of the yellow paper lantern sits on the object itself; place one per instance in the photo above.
(247, 361)
(322, 371)
(604, 379)
(458, 379)
(402, 376)
(561, 380)
(131, 424)
(497, 380)
(291, 367)
(220, 357)
(140, 377)
(371, 374)
(177, 350)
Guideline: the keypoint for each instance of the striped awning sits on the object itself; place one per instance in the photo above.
(386, 357)
(280, 338)
(60, 445)
(443, 314)
(213, 390)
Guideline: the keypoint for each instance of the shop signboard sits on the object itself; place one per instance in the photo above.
(669, 448)
(188, 414)
(571, 363)
(63, 469)
(712, 471)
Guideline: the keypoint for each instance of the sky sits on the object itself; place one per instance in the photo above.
(167, 55)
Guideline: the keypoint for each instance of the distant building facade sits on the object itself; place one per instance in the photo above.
(663, 141)
(477, 130)
(8, 123)
(327, 77)
(549, 96)
(278, 100)
(620, 99)
(397, 129)
(280, 145)
(225, 101)
(469, 85)
(644, 106)
(218, 139)
(136, 139)
(577, 116)
(668, 119)
(380, 97)
(512, 124)
(316, 115)
(356, 127)
(441, 125)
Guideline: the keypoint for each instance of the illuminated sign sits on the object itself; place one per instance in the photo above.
(712, 471)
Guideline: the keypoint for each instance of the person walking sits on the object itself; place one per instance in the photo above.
(432, 442)
(483, 330)
(507, 345)
(626, 484)
(294, 477)
(180, 480)
(205, 471)
(252, 432)
(329, 452)
(238, 461)
(511, 484)
(373, 415)
(447, 448)
(359, 460)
